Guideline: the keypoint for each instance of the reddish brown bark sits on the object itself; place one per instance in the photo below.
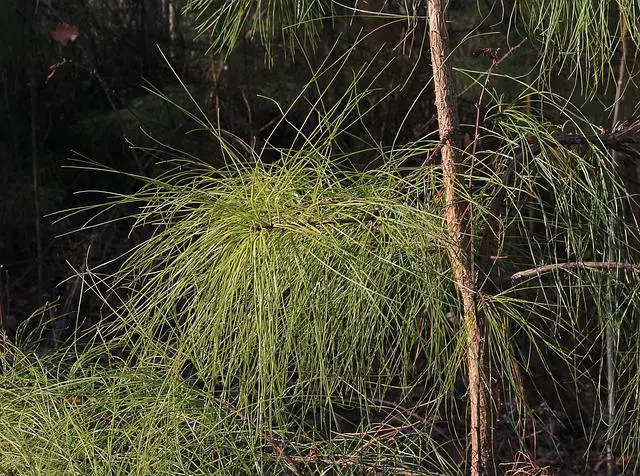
(462, 266)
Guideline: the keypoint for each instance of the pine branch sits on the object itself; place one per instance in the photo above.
(623, 139)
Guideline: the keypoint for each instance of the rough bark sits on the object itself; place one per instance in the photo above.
(462, 267)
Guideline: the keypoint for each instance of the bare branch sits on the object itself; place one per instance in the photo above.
(548, 268)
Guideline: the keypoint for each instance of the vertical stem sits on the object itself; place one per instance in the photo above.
(611, 389)
(462, 267)
(34, 159)
(622, 73)
(610, 331)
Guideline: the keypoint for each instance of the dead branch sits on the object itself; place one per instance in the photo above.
(548, 268)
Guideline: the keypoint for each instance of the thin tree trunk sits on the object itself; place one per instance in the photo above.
(176, 39)
(33, 92)
(611, 331)
(463, 269)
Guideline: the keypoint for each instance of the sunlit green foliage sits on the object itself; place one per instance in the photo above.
(580, 37)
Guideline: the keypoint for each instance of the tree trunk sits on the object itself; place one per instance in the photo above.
(610, 330)
(462, 266)
(176, 39)
(33, 97)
